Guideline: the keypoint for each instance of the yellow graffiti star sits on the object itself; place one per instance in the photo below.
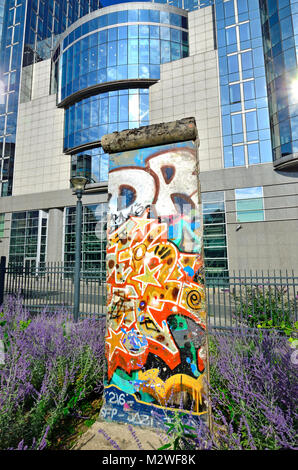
(113, 339)
(148, 278)
(141, 223)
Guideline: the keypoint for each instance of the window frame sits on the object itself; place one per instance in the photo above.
(247, 211)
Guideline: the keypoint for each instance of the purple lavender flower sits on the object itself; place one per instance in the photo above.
(51, 364)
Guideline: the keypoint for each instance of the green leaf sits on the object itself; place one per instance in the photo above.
(90, 422)
(166, 446)
(185, 426)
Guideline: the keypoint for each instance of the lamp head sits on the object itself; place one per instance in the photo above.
(78, 183)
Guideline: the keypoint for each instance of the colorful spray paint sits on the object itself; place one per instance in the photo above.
(156, 315)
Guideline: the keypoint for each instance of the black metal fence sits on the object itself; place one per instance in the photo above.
(253, 300)
(51, 286)
(248, 299)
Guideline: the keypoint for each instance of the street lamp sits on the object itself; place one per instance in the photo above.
(78, 183)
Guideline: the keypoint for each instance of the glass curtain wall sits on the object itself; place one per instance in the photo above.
(2, 4)
(30, 31)
(10, 60)
(94, 228)
(214, 235)
(89, 119)
(28, 238)
(244, 103)
(97, 52)
(46, 20)
(124, 52)
(280, 34)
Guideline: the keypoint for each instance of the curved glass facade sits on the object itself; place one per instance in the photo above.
(125, 16)
(109, 47)
(121, 53)
(124, 52)
(280, 36)
(89, 119)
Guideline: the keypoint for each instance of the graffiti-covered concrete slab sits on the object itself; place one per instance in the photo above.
(156, 313)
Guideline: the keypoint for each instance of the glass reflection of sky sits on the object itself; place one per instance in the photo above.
(249, 193)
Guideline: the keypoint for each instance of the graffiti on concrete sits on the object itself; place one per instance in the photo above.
(156, 321)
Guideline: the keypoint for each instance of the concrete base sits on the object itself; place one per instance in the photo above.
(93, 439)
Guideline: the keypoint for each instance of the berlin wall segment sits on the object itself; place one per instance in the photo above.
(156, 342)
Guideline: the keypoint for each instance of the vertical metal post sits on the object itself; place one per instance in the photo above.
(76, 307)
(2, 278)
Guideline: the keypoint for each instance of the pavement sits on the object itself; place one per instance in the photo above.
(105, 435)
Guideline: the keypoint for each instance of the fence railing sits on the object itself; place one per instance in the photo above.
(52, 286)
(243, 299)
(252, 299)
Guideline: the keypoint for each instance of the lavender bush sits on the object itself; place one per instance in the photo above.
(51, 364)
(253, 393)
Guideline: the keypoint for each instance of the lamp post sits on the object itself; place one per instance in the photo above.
(78, 183)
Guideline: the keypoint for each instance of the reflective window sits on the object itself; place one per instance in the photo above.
(89, 119)
(231, 37)
(278, 24)
(243, 83)
(94, 228)
(93, 164)
(249, 204)
(119, 53)
(237, 123)
(214, 235)
(2, 223)
(28, 238)
(239, 157)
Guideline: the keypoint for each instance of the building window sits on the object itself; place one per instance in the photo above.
(120, 53)
(215, 240)
(89, 119)
(249, 204)
(243, 92)
(28, 238)
(2, 217)
(93, 239)
(91, 163)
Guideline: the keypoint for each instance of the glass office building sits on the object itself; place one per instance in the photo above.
(280, 34)
(106, 61)
(2, 3)
(257, 48)
(28, 238)
(245, 119)
(30, 30)
(103, 67)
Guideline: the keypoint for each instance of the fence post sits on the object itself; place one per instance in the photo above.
(2, 278)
